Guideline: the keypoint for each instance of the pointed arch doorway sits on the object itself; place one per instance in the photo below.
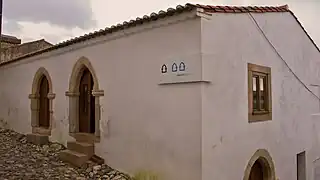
(41, 98)
(260, 167)
(86, 103)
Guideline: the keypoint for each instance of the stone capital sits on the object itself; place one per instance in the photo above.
(98, 93)
(33, 96)
(51, 96)
(68, 93)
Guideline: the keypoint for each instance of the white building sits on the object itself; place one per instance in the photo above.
(173, 95)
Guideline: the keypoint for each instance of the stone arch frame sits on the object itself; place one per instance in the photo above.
(73, 94)
(35, 100)
(266, 161)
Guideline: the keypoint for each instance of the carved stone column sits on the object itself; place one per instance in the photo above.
(34, 109)
(51, 96)
(97, 111)
(73, 111)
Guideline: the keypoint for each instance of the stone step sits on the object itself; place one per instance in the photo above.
(37, 139)
(74, 158)
(41, 130)
(81, 147)
(97, 159)
(84, 137)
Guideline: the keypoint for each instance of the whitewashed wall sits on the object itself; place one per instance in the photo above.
(229, 42)
(151, 127)
(150, 123)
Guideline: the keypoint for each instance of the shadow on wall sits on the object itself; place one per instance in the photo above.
(4, 124)
(60, 131)
(4, 111)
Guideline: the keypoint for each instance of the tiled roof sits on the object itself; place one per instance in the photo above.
(241, 9)
(163, 14)
(10, 39)
(253, 9)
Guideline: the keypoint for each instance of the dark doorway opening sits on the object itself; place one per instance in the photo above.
(86, 103)
(301, 166)
(44, 112)
(257, 171)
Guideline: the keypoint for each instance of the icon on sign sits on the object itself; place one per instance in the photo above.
(164, 69)
(182, 66)
(174, 67)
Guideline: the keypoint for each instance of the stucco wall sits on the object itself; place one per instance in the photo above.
(229, 42)
(145, 126)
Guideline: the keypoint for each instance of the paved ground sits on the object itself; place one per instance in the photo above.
(25, 161)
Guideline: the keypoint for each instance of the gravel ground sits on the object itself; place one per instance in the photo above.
(25, 161)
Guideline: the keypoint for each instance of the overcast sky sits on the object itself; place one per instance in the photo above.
(57, 20)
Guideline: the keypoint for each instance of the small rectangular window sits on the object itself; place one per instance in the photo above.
(259, 93)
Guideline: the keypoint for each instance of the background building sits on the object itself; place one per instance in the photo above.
(12, 47)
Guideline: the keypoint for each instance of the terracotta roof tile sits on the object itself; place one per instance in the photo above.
(162, 14)
(243, 9)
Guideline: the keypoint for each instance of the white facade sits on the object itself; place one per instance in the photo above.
(143, 125)
(231, 41)
(197, 129)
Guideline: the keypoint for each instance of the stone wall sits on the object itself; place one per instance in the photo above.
(7, 44)
(13, 52)
(9, 41)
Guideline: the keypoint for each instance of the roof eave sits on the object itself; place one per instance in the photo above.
(305, 31)
(115, 28)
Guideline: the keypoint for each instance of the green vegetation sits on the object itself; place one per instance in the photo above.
(146, 175)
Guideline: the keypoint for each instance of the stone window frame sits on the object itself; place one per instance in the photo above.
(73, 95)
(264, 157)
(266, 115)
(35, 102)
